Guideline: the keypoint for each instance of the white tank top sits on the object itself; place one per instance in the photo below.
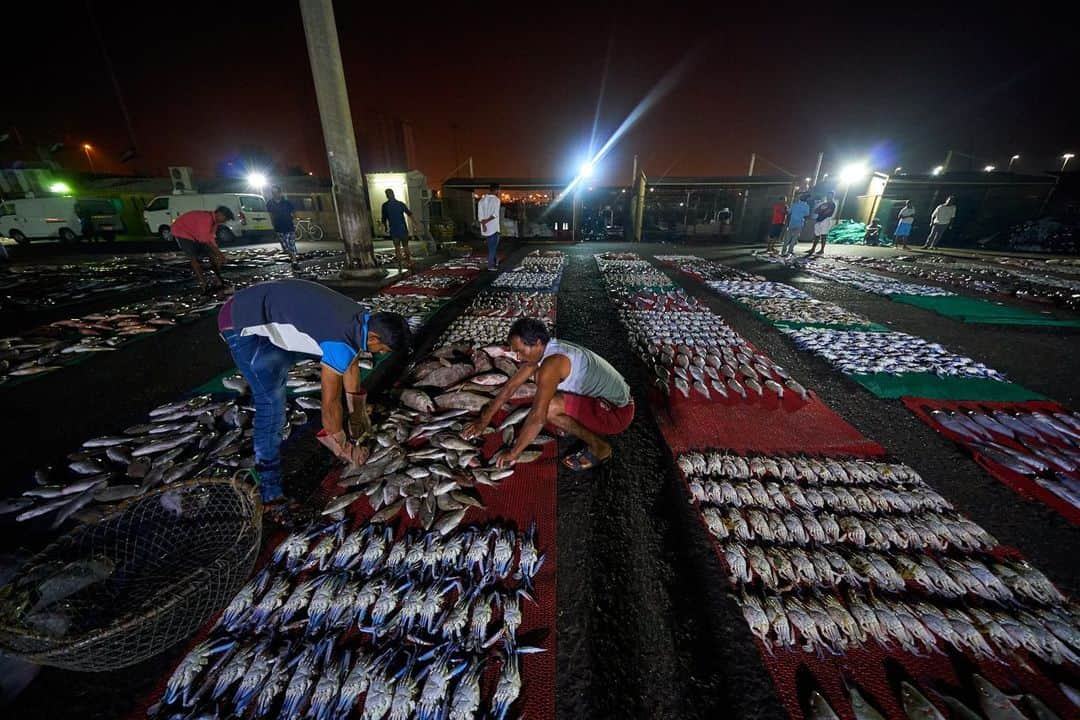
(590, 374)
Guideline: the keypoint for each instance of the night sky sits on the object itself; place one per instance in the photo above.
(205, 82)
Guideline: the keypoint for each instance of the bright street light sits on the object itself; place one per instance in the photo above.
(1066, 157)
(87, 147)
(586, 170)
(256, 180)
(989, 168)
(60, 188)
(938, 170)
(1013, 159)
(853, 173)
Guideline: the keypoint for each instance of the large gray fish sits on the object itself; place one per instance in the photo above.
(462, 401)
(447, 376)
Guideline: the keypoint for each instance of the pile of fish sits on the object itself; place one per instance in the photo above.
(513, 304)
(812, 312)
(619, 263)
(418, 462)
(828, 555)
(756, 289)
(478, 330)
(180, 440)
(526, 280)
(416, 309)
(49, 347)
(705, 270)
(692, 351)
(857, 352)
(432, 281)
(837, 271)
(543, 261)
(368, 624)
(1044, 446)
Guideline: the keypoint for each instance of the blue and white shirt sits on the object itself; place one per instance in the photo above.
(304, 317)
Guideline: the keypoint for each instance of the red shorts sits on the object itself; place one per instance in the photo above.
(598, 415)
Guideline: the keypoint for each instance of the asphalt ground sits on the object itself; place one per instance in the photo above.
(645, 628)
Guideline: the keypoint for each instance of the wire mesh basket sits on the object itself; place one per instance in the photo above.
(116, 592)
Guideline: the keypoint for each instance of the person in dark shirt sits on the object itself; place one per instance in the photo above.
(271, 326)
(872, 236)
(282, 215)
(824, 221)
(393, 218)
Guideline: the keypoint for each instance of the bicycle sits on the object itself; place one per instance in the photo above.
(307, 228)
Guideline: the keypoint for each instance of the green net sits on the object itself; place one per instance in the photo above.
(929, 385)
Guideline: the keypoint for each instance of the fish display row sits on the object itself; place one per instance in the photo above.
(896, 353)
(478, 330)
(706, 270)
(609, 263)
(431, 281)
(825, 555)
(812, 312)
(837, 271)
(365, 624)
(756, 289)
(526, 280)
(982, 278)
(36, 287)
(690, 350)
(538, 262)
(513, 304)
(416, 309)
(1043, 446)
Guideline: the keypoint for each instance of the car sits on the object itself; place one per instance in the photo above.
(27, 219)
(251, 218)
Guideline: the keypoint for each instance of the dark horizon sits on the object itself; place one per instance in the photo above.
(522, 91)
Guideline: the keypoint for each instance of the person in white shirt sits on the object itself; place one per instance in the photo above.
(940, 221)
(905, 221)
(487, 210)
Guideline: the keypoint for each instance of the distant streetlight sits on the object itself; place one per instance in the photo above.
(87, 147)
(1066, 158)
(808, 181)
(853, 173)
(1013, 159)
(938, 170)
(897, 170)
(989, 168)
(586, 169)
(256, 180)
(60, 188)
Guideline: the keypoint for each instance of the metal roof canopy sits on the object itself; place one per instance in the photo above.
(973, 178)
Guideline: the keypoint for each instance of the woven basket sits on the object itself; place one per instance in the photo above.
(177, 555)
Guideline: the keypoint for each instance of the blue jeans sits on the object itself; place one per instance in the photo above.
(266, 367)
(493, 245)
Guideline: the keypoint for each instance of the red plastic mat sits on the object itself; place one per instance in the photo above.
(759, 425)
(1022, 484)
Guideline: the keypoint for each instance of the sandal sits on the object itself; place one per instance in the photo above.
(584, 460)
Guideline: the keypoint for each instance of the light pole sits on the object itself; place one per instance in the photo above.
(89, 161)
(1066, 158)
(1013, 159)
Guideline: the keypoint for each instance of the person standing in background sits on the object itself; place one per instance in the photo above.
(796, 220)
(940, 221)
(824, 221)
(905, 222)
(283, 216)
(776, 227)
(393, 219)
(488, 210)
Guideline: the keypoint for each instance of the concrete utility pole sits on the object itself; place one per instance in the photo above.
(350, 198)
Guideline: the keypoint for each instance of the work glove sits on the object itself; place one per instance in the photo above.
(339, 444)
(359, 420)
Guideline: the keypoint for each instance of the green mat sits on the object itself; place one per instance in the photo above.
(929, 385)
(970, 310)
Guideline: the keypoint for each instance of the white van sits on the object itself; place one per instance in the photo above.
(29, 219)
(249, 211)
